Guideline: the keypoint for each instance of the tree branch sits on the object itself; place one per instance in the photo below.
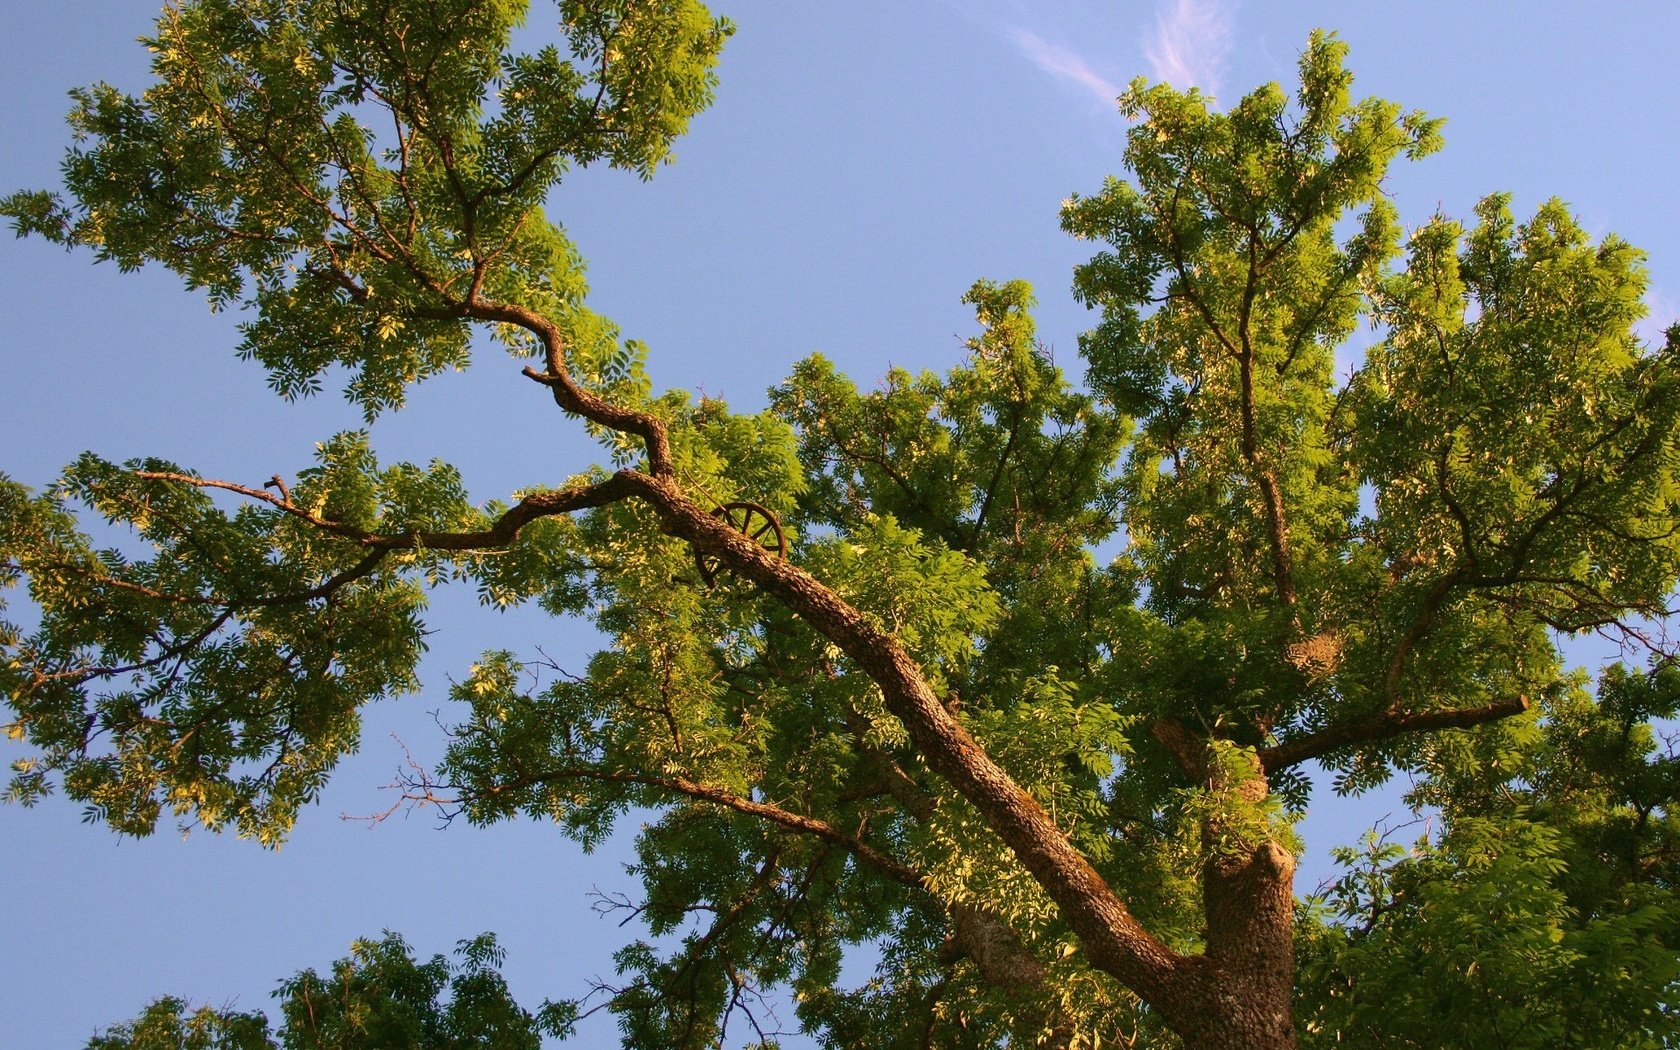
(324, 589)
(887, 865)
(501, 532)
(567, 393)
(1383, 726)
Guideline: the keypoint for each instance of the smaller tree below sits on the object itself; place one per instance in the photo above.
(377, 998)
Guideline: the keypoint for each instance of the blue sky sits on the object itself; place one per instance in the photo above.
(864, 164)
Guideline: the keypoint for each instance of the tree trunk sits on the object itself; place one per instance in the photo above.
(1250, 911)
(1243, 1000)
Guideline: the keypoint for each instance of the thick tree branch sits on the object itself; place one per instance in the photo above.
(1383, 726)
(1114, 940)
(1277, 529)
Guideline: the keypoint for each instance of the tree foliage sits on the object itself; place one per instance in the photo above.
(378, 998)
(1543, 915)
(1056, 793)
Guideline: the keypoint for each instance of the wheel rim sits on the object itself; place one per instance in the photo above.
(756, 522)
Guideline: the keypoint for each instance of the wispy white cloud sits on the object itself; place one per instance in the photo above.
(1044, 45)
(1085, 45)
(1065, 64)
(1189, 43)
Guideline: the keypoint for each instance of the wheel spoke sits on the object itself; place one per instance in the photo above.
(755, 522)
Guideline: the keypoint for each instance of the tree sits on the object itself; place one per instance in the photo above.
(1059, 792)
(378, 998)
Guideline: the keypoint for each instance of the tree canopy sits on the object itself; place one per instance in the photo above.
(1009, 673)
(379, 996)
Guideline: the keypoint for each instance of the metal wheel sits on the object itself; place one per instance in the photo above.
(754, 521)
